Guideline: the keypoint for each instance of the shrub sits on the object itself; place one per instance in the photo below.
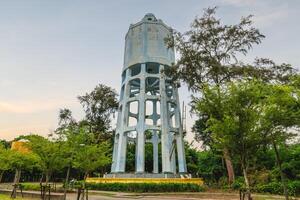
(272, 188)
(37, 187)
(31, 186)
(294, 188)
(146, 187)
(277, 188)
(238, 183)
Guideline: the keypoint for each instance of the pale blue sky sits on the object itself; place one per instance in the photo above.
(52, 51)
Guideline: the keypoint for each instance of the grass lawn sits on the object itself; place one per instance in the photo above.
(7, 197)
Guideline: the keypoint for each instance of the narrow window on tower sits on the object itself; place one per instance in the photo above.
(135, 69)
(169, 89)
(123, 76)
(152, 86)
(122, 93)
(152, 68)
(134, 87)
(133, 113)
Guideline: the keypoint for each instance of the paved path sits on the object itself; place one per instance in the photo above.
(208, 195)
(182, 196)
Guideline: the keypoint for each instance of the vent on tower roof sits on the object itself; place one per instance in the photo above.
(150, 17)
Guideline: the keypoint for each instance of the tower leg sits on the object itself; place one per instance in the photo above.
(140, 153)
(165, 129)
(173, 154)
(179, 138)
(115, 151)
(122, 141)
(155, 152)
(121, 155)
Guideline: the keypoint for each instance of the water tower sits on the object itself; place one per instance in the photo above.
(149, 109)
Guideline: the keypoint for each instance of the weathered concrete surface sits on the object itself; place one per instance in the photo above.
(146, 87)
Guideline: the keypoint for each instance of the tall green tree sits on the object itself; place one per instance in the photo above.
(99, 105)
(235, 129)
(209, 55)
(280, 118)
(49, 153)
(90, 157)
(20, 161)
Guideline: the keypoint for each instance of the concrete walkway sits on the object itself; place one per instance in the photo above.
(208, 195)
(99, 195)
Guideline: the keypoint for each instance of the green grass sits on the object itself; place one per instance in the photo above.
(7, 197)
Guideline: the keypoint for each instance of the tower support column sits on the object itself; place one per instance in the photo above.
(155, 139)
(122, 138)
(179, 137)
(165, 129)
(140, 150)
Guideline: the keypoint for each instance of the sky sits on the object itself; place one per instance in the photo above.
(52, 51)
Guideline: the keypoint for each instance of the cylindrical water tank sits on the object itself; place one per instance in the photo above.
(144, 42)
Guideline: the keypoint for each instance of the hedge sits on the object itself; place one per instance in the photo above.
(146, 187)
(31, 186)
(131, 187)
(277, 188)
(271, 188)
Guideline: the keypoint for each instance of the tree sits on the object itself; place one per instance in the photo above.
(4, 143)
(65, 117)
(209, 50)
(201, 132)
(19, 161)
(235, 128)
(208, 55)
(68, 150)
(5, 162)
(50, 158)
(280, 118)
(70, 138)
(90, 157)
(210, 166)
(98, 106)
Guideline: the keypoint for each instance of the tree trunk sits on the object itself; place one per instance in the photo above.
(229, 166)
(248, 192)
(1, 176)
(17, 176)
(67, 182)
(47, 189)
(282, 176)
(84, 191)
(16, 181)
(41, 179)
(47, 178)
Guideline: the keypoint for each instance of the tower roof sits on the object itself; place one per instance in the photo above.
(149, 17)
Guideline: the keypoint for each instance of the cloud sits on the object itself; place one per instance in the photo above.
(13, 132)
(6, 83)
(271, 17)
(32, 106)
(265, 13)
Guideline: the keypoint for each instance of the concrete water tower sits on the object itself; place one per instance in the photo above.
(149, 109)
